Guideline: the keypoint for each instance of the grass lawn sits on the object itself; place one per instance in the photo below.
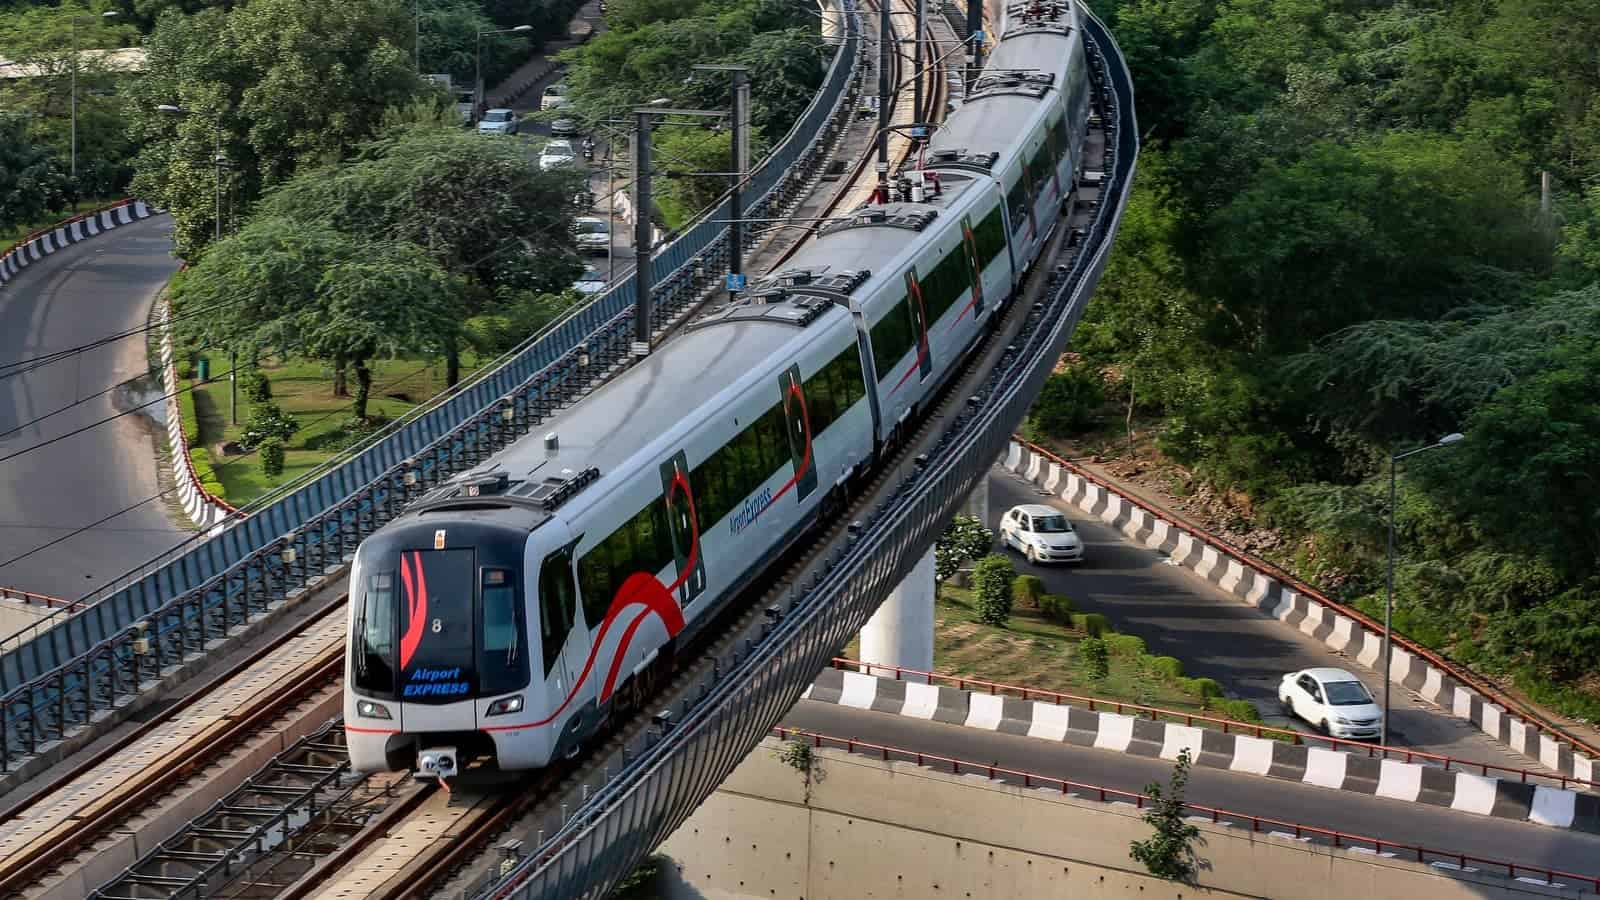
(10, 237)
(1035, 652)
(305, 391)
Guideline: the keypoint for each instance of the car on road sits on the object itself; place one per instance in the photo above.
(564, 125)
(555, 96)
(556, 154)
(1041, 533)
(498, 121)
(592, 235)
(1332, 700)
(592, 281)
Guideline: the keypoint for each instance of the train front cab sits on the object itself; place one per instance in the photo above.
(440, 669)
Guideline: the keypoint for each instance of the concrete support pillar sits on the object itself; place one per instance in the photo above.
(900, 633)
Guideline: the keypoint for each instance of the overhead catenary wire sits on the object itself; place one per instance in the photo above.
(9, 369)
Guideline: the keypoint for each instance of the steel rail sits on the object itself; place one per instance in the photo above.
(1537, 720)
(21, 869)
(1217, 815)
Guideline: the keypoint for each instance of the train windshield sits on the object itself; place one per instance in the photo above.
(438, 646)
(372, 640)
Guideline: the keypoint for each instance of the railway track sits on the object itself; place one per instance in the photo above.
(86, 824)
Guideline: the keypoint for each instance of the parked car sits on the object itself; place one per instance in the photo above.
(498, 121)
(1333, 700)
(556, 154)
(564, 125)
(1041, 533)
(592, 235)
(590, 282)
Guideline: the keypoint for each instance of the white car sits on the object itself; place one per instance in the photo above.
(592, 281)
(498, 121)
(1041, 533)
(556, 154)
(555, 96)
(1333, 700)
(591, 235)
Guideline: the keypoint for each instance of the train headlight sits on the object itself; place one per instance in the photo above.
(369, 710)
(505, 705)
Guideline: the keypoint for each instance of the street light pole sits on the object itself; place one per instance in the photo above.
(642, 280)
(739, 139)
(917, 134)
(479, 95)
(883, 103)
(1388, 603)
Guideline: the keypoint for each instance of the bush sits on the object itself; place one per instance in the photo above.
(1168, 667)
(1056, 608)
(965, 540)
(1027, 590)
(200, 461)
(1204, 688)
(1092, 624)
(267, 421)
(271, 457)
(1238, 710)
(1093, 657)
(991, 587)
(254, 385)
(1069, 402)
(1129, 645)
(191, 419)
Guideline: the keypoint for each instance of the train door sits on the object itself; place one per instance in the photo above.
(558, 618)
(438, 646)
(919, 318)
(797, 427)
(684, 527)
(969, 243)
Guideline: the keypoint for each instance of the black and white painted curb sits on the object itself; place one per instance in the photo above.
(207, 512)
(1388, 778)
(70, 232)
(1340, 632)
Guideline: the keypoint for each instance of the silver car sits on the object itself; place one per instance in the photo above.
(590, 282)
(556, 154)
(498, 121)
(591, 235)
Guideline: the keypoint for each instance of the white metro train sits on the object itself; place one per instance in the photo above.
(512, 609)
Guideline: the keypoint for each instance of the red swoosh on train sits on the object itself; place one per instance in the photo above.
(416, 589)
(922, 343)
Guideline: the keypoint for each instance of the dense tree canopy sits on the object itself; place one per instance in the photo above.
(1336, 249)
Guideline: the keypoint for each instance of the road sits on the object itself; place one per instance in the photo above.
(82, 294)
(1410, 823)
(1214, 634)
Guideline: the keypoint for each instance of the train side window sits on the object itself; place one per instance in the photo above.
(558, 601)
(502, 649)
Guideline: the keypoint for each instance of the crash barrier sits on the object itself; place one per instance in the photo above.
(68, 670)
(1298, 605)
(690, 751)
(207, 512)
(42, 243)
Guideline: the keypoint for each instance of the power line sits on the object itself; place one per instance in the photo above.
(55, 356)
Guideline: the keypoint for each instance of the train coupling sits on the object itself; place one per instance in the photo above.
(436, 762)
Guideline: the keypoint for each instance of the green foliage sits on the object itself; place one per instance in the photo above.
(1092, 624)
(1027, 590)
(964, 540)
(1204, 688)
(1169, 667)
(200, 460)
(277, 86)
(31, 181)
(1128, 645)
(1069, 402)
(1056, 608)
(1237, 710)
(267, 422)
(271, 451)
(1094, 659)
(640, 883)
(1169, 852)
(991, 587)
(255, 386)
(191, 420)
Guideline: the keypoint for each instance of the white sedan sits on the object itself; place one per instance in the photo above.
(1333, 700)
(1040, 533)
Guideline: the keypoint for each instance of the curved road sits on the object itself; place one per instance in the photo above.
(1433, 827)
(1181, 614)
(83, 293)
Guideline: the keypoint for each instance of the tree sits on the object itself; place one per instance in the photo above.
(1069, 402)
(991, 583)
(963, 540)
(31, 183)
(274, 86)
(1169, 852)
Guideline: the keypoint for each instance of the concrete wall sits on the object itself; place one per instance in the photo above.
(864, 828)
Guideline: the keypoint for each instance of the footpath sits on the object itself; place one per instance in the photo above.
(1177, 509)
